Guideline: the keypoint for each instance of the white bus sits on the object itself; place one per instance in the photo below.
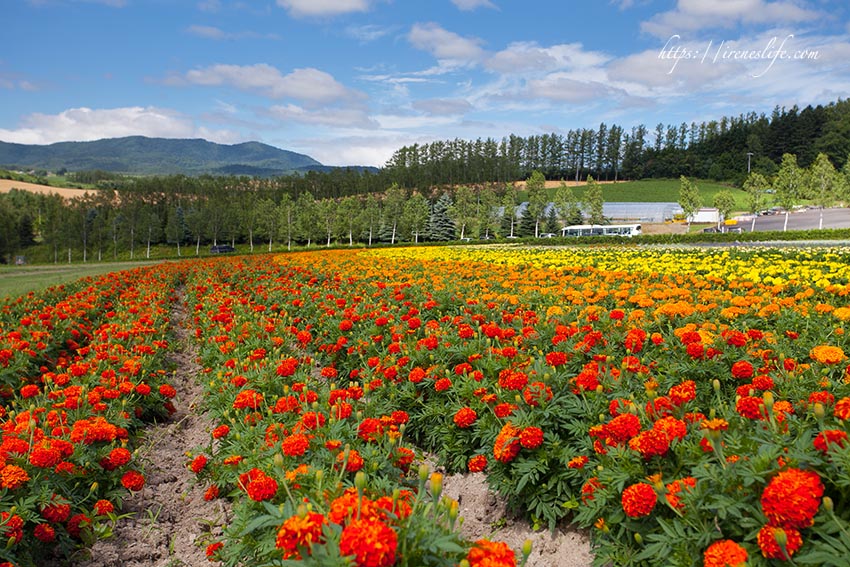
(601, 230)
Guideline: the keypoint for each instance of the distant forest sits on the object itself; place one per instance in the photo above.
(437, 191)
(721, 150)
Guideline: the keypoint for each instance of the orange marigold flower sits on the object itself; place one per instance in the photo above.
(465, 417)
(675, 489)
(577, 462)
(198, 464)
(715, 424)
(211, 493)
(133, 480)
(12, 477)
(77, 523)
(683, 393)
(589, 488)
(371, 542)
(507, 444)
(531, 437)
(772, 549)
(248, 399)
(792, 498)
(537, 393)
(486, 553)
(638, 500)
(505, 409)
(299, 533)
(751, 407)
(220, 431)
(213, 549)
(725, 553)
(354, 462)
(56, 511)
(650, 443)
(742, 370)
(826, 354)
(103, 507)
(672, 427)
(370, 429)
(623, 427)
(477, 463)
(258, 485)
(295, 445)
(842, 409)
(829, 437)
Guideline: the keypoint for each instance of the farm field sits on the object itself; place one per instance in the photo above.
(688, 407)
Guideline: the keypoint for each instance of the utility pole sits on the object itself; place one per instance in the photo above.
(749, 155)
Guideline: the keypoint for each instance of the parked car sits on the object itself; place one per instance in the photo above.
(222, 249)
(548, 235)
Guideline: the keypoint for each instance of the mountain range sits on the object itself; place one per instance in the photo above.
(158, 156)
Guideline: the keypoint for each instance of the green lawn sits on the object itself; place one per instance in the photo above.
(18, 280)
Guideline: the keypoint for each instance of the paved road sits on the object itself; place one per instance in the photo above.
(804, 220)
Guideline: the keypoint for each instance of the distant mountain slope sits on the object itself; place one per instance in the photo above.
(157, 156)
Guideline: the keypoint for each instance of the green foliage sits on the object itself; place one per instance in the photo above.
(593, 201)
(689, 197)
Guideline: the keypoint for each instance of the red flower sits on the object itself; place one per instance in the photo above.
(651, 442)
(220, 431)
(683, 393)
(750, 407)
(792, 498)
(531, 437)
(248, 399)
(370, 429)
(103, 507)
(639, 500)
(772, 549)
(442, 384)
(675, 489)
(133, 480)
(725, 553)
(299, 532)
(465, 417)
(623, 427)
(577, 462)
(354, 463)
(12, 527)
(506, 446)
(556, 358)
(487, 553)
(295, 445)
(213, 549)
(537, 393)
(477, 463)
(503, 410)
(44, 533)
(77, 524)
(258, 485)
(198, 464)
(842, 409)
(829, 437)
(371, 542)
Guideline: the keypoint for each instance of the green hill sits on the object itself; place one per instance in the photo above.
(157, 156)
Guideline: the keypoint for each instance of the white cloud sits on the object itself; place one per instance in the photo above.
(306, 84)
(335, 117)
(209, 5)
(693, 15)
(529, 57)
(443, 106)
(84, 124)
(446, 46)
(467, 5)
(561, 88)
(367, 33)
(212, 32)
(307, 8)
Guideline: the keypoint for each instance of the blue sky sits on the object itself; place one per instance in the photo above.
(349, 81)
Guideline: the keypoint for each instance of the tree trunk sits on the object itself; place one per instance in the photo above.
(820, 221)
(785, 226)
(198, 245)
(251, 239)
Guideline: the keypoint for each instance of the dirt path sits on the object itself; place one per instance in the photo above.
(170, 523)
(485, 516)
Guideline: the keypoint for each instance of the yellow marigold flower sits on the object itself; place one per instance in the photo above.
(826, 354)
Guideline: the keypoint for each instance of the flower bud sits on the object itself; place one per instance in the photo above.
(828, 504)
(781, 537)
(436, 485)
(360, 480)
(424, 471)
(278, 460)
(639, 538)
(819, 410)
(526, 548)
(715, 384)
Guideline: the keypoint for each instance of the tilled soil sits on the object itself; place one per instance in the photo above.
(169, 524)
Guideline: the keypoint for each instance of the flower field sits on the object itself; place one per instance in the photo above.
(689, 407)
